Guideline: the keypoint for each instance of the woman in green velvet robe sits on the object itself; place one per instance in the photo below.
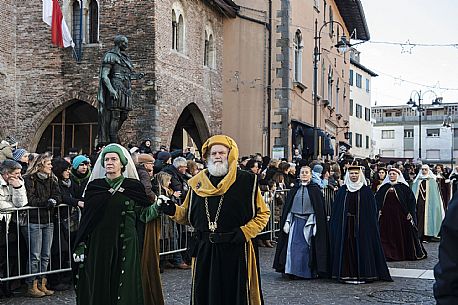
(110, 239)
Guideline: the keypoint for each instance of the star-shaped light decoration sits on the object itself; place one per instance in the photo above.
(407, 47)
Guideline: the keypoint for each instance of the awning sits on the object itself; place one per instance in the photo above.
(324, 141)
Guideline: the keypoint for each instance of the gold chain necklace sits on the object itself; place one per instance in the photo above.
(422, 192)
(212, 225)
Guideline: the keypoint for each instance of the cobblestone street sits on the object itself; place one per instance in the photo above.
(278, 290)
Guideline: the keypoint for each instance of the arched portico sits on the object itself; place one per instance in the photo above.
(193, 122)
(73, 124)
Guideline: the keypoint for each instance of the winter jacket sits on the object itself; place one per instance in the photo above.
(11, 197)
(38, 192)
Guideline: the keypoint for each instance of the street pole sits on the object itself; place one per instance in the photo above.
(315, 95)
(419, 126)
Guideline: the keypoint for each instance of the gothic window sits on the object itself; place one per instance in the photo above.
(93, 21)
(209, 49)
(76, 21)
(330, 81)
(298, 47)
(178, 30)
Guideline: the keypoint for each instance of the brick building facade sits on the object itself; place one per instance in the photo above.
(38, 81)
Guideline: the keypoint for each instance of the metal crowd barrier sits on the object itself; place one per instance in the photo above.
(14, 241)
(174, 238)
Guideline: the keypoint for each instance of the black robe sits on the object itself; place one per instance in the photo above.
(369, 259)
(220, 273)
(446, 271)
(399, 235)
(320, 242)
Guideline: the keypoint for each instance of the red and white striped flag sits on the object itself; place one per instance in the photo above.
(52, 16)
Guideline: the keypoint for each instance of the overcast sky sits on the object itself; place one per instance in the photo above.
(417, 21)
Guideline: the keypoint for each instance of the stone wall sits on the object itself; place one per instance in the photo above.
(181, 76)
(38, 80)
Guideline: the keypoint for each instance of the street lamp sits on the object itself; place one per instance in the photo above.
(418, 106)
(448, 123)
(342, 46)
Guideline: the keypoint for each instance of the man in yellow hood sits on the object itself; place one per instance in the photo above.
(226, 209)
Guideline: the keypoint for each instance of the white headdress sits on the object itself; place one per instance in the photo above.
(355, 186)
(420, 175)
(400, 178)
(99, 172)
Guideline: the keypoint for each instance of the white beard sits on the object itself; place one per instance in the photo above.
(218, 169)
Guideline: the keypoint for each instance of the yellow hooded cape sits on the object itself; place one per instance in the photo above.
(201, 185)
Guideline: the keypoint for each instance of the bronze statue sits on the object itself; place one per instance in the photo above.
(115, 93)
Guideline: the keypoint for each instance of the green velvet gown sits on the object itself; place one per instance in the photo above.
(111, 271)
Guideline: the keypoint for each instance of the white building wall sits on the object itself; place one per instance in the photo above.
(360, 125)
(433, 149)
(396, 145)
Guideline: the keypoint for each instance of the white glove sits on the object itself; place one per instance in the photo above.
(161, 199)
(78, 258)
(286, 227)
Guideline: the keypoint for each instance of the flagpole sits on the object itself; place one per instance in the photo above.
(80, 45)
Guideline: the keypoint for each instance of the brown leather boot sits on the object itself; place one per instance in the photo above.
(34, 292)
(43, 288)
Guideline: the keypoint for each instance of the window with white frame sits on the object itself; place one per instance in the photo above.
(368, 85)
(209, 49)
(387, 134)
(433, 132)
(359, 111)
(359, 78)
(351, 78)
(359, 140)
(433, 154)
(298, 47)
(408, 153)
(178, 28)
(367, 114)
(408, 133)
(351, 107)
(387, 153)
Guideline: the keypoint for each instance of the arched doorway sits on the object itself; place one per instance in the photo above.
(191, 122)
(75, 126)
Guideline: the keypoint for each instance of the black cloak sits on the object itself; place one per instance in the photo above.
(446, 271)
(370, 257)
(96, 199)
(320, 242)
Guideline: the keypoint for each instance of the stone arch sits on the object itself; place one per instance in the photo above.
(193, 121)
(49, 113)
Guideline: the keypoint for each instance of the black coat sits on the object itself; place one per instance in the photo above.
(405, 195)
(38, 193)
(370, 256)
(178, 181)
(79, 184)
(320, 242)
(446, 270)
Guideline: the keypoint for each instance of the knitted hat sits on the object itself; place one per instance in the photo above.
(163, 155)
(18, 153)
(78, 160)
(318, 169)
(145, 158)
(113, 148)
